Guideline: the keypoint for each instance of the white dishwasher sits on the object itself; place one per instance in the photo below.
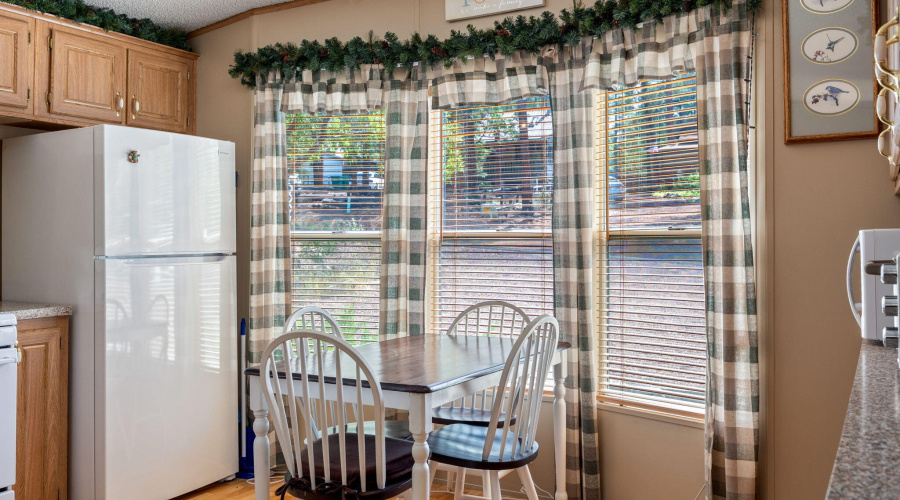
(9, 360)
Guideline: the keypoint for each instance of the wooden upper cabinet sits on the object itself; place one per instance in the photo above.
(87, 76)
(65, 74)
(16, 62)
(158, 91)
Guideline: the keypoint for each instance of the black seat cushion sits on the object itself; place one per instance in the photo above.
(462, 445)
(398, 461)
(472, 416)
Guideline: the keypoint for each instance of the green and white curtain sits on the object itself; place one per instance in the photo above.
(403, 244)
(716, 45)
(270, 232)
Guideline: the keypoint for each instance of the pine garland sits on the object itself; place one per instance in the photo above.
(109, 20)
(506, 37)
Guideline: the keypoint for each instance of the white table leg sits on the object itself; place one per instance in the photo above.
(559, 429)
(420, 425)
(261, 465)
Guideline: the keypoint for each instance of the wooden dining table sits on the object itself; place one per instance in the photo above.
(417, 374)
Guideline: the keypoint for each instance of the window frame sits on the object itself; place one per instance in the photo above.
(603, 236)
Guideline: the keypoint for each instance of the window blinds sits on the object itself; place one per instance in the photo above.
(651, 302)
(336, 183)
(490, 188)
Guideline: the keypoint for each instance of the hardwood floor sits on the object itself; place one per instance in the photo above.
(239, 489)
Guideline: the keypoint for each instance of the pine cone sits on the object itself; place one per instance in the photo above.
(323, 53)
(502, 32)
(565, 29)
(385, 45)
(284, 56)
(377, 60)
(440, 52)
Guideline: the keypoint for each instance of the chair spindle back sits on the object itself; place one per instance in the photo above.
(489, 318)
(319, 405)
(522, 387)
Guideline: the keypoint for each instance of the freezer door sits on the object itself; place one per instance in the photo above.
(167, 402)
(177, 196)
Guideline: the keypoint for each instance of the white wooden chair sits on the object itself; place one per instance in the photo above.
(337, 462)
(489, 318)
(511, 446)
(494, 318)
(312, 318)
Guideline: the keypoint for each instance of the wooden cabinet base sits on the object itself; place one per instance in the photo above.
(42, 409)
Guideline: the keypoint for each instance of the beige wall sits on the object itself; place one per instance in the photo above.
(820, 196)
(813, 199)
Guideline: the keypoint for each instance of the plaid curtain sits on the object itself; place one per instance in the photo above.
(573, 257)
(402, 309)
(270, 232)
(732, 413)
(483, 80)
(715, 44)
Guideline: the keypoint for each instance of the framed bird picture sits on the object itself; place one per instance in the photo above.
(829, 78)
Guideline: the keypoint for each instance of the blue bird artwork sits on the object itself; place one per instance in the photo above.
(834, 92)
(832, 43)
(831, 92)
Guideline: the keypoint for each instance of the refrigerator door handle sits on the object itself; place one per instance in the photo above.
(174, 261)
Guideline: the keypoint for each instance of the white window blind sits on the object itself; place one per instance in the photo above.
(490, 188)
(336, 180)
(651, 301)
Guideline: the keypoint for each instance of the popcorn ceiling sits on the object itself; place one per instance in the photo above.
(187, 15)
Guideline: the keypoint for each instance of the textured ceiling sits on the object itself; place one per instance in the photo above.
(186, 14)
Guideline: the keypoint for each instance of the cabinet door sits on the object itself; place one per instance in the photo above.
(16, 62)
(87, 77)
(42, 407)
(158, 91)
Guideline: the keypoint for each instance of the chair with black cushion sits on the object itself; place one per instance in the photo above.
(313, 318)
(490, 318)
(494, 318)
(500, 448)
(337, 464)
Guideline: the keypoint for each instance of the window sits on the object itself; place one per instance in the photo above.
(336, 181)
(651, 302)
(490, 188)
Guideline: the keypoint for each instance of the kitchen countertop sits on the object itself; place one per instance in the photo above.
(869, 454)
(26, 310)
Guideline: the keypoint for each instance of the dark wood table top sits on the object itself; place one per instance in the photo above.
(421, 363)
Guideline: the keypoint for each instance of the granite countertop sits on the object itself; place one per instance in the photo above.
(869, 454)
(26, 310)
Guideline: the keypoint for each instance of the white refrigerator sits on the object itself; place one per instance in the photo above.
(135, 229)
